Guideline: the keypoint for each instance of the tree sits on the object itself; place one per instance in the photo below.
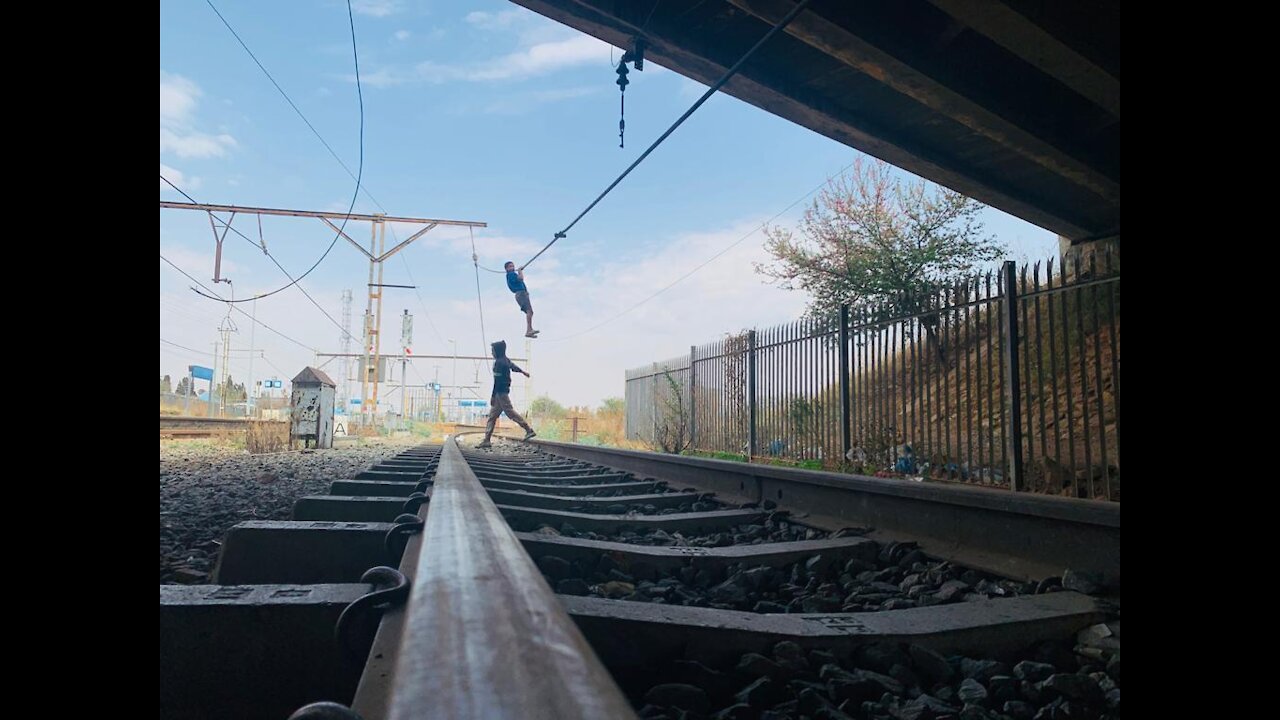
(734, 364)
(231, 391)
(545, 407)
(872, 239)
(671, 426)
(613, 406)
(184, 386)
(166, 386)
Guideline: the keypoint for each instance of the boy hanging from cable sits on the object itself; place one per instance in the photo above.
(515, 282)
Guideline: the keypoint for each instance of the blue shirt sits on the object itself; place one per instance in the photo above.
(515, 283)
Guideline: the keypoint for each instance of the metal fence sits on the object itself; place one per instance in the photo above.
(265, 408)
(1009, 379)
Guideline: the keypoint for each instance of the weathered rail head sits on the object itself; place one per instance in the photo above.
(480, 615)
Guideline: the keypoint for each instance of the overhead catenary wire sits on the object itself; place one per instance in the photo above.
(233, 307)
(293, 105)
(262, 246)
(323, 142)
(484, 338)
(475, 260)
(709, 260)
(396, 239)
(188, 313)
(293, 281)
(786, 20)
(273, 367)
(298, 284)
(204, 352)
(335, 156)
(184, 347)
(359, 174)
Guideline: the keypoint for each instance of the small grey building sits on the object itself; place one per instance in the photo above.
(311, 408)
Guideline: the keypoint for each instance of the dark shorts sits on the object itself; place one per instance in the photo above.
(522, 299)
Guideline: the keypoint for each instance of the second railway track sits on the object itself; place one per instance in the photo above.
(558, 581)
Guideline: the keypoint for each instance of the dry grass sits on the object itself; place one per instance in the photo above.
(266, 436)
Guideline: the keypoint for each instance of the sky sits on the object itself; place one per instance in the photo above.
(483, 112)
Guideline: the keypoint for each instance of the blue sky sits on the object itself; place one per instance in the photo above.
(473, 111)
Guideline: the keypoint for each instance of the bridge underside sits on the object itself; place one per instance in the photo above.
(1013, 102)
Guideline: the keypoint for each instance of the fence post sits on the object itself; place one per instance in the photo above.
(693, 387)
(214, 379)
(751, 395)
(653, 404)
(1012, 377)
(846, 432)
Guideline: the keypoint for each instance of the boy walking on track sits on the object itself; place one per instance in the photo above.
(500, 401)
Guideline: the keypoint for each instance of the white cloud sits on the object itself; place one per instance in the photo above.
(523, 102)
(178, 135)
(492, 248)
(192, 321)
(570, 293)
(198, 263)
(532, 59)
(177, 177)
(541, 59)
(177, 98)
(725, 296)
(376, 8)
(381, 78)
(194, 144)
(496, 21)
(402, 35)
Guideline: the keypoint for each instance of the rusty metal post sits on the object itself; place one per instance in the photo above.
(751, 395)
(846, 430)
(367, 350)
(1012, 376)
(380, 229)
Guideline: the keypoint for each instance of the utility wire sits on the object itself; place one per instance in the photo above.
(359, 174)
(710, 91)
(708, 261)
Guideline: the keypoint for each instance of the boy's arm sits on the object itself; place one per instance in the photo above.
(520, 274)
(516, 368)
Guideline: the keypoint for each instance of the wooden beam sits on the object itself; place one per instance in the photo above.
(1015, 33)
(853, 51)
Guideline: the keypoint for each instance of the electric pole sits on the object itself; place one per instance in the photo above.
(371, 352)
(345, 342)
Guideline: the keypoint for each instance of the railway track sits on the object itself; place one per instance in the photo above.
(559, 581)
(181, 426)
